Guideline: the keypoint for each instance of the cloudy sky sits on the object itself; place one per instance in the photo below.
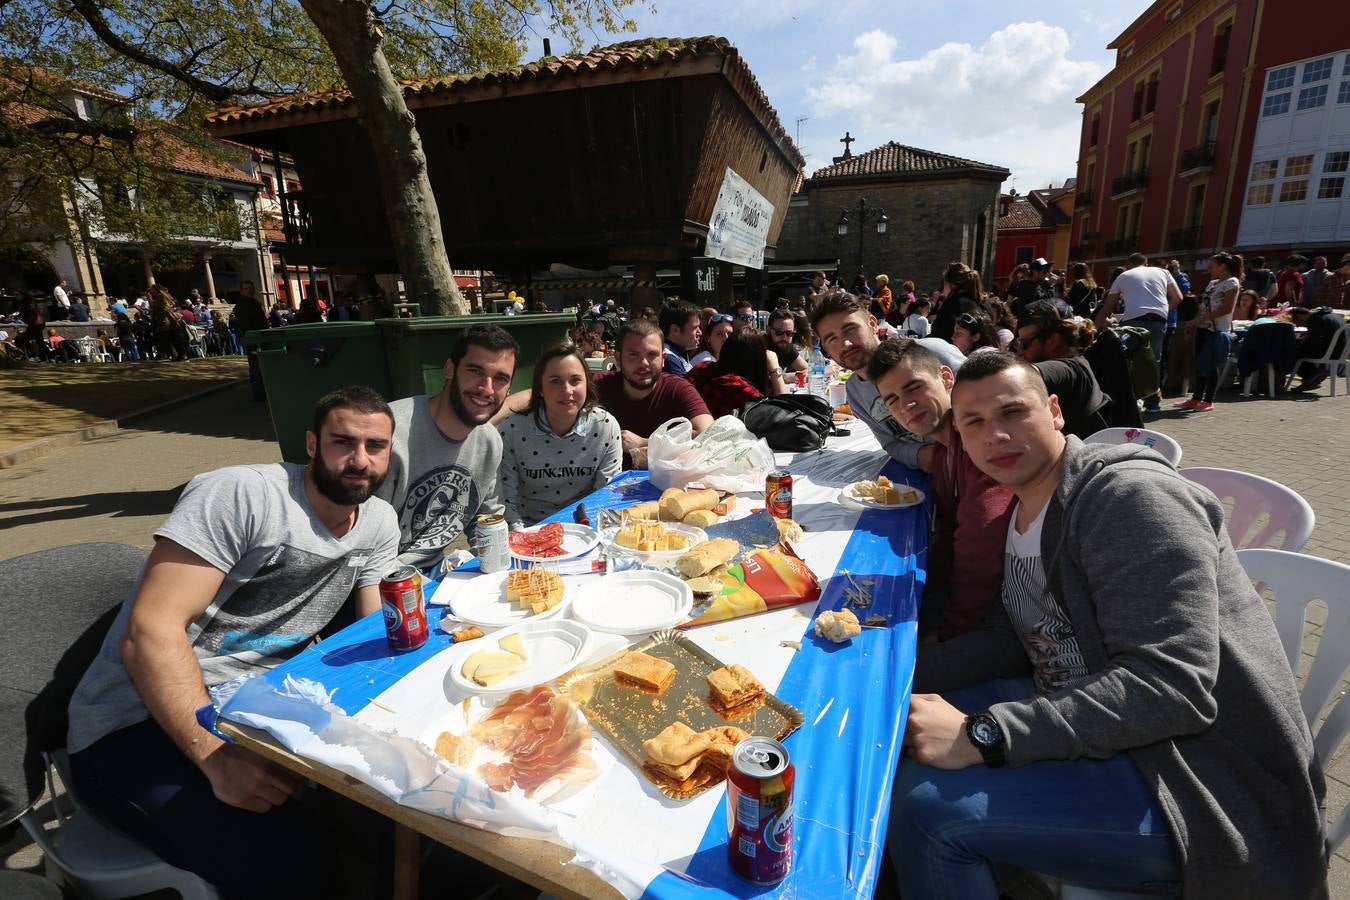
(991, 80)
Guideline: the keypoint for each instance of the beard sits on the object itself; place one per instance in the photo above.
(330, 484)
(461, 409)
(638, 383)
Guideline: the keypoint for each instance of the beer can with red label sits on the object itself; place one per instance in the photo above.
(405, 610)
(759, 810)
(778, 494)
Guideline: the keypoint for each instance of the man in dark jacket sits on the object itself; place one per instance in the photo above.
(1160, 743)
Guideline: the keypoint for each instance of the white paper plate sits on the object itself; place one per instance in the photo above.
(482, 601)
(633, 602)
(663, 557)
(848, 497)
(577, 539)
(555, 647)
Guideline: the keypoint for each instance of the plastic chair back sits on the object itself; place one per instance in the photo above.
(1144, 437)
(1288, 514)
(1296, 580)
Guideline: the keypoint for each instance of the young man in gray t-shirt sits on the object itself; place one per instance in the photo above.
(250, 565)
(443, 468)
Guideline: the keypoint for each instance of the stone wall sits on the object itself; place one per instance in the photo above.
(931, 223)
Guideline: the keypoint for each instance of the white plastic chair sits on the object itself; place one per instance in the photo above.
(98, 860)
(1270, 381)
(1336, 360)
(1296, 580)
(1253, 496)
(89, 349)
(1145, 437)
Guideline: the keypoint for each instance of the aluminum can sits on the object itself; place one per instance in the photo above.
(492, 542)
(801, 378)
(759, 810)
(405, 610)
(778, 494)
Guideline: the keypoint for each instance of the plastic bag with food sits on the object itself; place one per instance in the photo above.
(762, 580)
(726, 456)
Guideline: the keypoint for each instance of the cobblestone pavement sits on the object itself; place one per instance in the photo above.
(120, 488)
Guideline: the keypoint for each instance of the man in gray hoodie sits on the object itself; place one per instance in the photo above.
(1159, 743)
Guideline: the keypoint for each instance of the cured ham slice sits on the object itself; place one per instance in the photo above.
(542, 542)
(543, 738)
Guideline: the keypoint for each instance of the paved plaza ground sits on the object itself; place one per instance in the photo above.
(120, 487)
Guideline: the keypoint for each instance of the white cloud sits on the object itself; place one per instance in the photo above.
(1009, 101)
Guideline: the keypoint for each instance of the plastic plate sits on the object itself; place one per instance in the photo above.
(633, 602)
(659, 557)
(849, 497)
(482, 601)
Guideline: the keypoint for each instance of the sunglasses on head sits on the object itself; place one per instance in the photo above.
(747, 317)
(719, 318)
(968, 322)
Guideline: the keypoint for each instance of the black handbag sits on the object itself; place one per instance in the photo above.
(792, 423)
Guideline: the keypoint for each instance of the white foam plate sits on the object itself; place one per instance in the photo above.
(482, 601)
(663, 557)
(577, 539)
(633, 602)
(849, 497)
(554, 646)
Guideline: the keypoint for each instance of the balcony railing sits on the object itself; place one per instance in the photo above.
(1187, 238)
(1198, 158)
(1129, 183)
(295, 219)
(1122, 246)
(1082, 199)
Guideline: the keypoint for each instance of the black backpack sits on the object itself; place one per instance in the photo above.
(792, 423)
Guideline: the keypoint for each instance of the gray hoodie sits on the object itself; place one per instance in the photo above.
(1186, 674)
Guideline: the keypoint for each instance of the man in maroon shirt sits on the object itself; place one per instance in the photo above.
(1291, 281)
(965, 557)
(640, 395)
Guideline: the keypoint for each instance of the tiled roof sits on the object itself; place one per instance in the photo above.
(897, 159)
(177, 155)
(628, 57)
(1022, 213)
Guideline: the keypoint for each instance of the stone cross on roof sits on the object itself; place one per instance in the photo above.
(846, 140)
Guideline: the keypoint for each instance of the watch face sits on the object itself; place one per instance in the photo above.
(984, 731)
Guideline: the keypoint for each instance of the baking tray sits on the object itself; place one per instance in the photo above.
(631, 716)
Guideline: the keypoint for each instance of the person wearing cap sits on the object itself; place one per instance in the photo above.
(1144, 295)
(1036, 288)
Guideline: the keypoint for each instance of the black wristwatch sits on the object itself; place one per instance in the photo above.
(986, 734)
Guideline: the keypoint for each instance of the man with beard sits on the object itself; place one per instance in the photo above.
(780, 339)
(251, 564)
(443, 466)
(641, 396)
(848, 335)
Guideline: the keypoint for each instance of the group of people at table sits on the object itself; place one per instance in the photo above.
(1099, 693)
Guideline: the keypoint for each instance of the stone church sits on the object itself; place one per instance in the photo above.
(899, 210)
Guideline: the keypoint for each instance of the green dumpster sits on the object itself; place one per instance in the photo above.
(417, 348)
(301, 363)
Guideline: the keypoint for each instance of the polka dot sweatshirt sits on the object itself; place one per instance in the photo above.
(542, 472)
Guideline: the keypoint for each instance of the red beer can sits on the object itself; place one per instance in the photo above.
(759, 810)
(778, 494)
(801, 378)
(405, 611)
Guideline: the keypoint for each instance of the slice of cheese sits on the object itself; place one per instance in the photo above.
(489, 667)
(513, 643)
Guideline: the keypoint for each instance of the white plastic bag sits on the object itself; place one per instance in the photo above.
(726, 456)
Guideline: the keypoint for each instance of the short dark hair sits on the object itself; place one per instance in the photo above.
(1258, 262)
(354, 396)
(835, 304)
(489, 337)
(983, 365)
(1138, 259)
(676, 313)
(1295, 261)
(781, 314)
(641, 327)
(897, 350)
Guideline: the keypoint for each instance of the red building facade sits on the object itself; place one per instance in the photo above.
(1026, 231)
(1166, 147)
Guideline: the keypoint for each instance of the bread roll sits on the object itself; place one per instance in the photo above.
(642, 512)
(663, 505)
(677, 506)
(703, 558)
(701, 518)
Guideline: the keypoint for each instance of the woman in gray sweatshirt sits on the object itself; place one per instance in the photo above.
(561, 446)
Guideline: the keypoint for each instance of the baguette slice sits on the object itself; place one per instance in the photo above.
(703, 558)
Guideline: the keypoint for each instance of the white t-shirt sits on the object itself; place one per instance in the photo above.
(1143, 291)
(60, 294)
(916, 325)
(1214, 292)
(1039, 620)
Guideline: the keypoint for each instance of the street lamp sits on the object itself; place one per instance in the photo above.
(865, 215)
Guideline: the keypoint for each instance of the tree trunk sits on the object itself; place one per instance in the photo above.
(353, 34)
